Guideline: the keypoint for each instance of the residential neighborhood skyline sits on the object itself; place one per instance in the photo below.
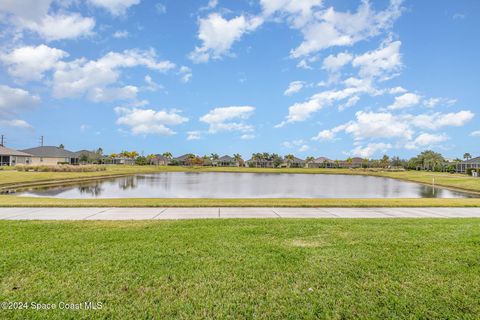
(344, 79)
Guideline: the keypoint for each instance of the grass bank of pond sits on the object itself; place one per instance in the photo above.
(264, 269)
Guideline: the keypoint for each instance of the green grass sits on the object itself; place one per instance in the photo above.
(13, 201)
(244, 269)
(14, 179)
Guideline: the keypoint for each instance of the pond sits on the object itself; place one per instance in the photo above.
(245, 185)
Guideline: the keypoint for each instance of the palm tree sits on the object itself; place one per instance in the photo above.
(190, 158)
(290, 158)
(309, 160)
(365, 162)
(337, 163)
(349, 162)
(467, 156)
(385, 161)
(257, 157)
(167, 155)
(238, 159)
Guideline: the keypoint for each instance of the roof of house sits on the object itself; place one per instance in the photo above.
(295, 160)
(50, 152)
(322, 160)
(182, 158)
(10, 152)
(85, 152)
(473, 160)
(160, 157)
(226, 158)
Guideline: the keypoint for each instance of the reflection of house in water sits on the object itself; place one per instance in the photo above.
(94, 190)
(127, 183)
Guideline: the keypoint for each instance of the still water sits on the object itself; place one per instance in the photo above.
(245, 185)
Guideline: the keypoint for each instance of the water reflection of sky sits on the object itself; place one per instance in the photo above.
(246, 185)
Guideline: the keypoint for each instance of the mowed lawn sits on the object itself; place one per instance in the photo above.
(262, 269)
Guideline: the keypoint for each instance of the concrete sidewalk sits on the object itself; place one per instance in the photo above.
(217, 213)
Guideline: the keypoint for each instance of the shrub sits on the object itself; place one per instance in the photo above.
(470, 170)
(61, 168)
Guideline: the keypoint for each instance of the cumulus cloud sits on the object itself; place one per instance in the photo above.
(331, 28)
(112, 94)
(426, 140)
(185, 74)
(297, 12)
(14, 101)
(120, 34)
(475, 133)
(35, 15)
(248, 136)
(194, 135)
(404, 101)
(229, 119)
(301, 111)
(115, 7)
(333, 63)
(294, 87)
(219, 34)
(381, 63)
(370, 149)
(84, 77)
(30, 62)
(149, 121)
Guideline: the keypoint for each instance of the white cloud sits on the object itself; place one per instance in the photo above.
(218, 35)
(228, 119)
(210, 5)
(61, 26)
(301, 111)
(350, 103)
(404, 101)
(439, 120)
(333, 63)
(426, 140)
(161, 8)
(331, 28)
(185, 74)
(294, 87)
(304, 148)
(26, 9)
(152, 85)
(382, 62)
(374, 125)
(433, 102)
(149, 121)
(112, 94)
(194, 135)
(81, 76)
(115, 7)
(297, 12)
(15, 100)
(121, 34)
(371, 149)
(16, 123)
(292, 144)
(30, 63)
(475, 133)
(396, 90)
(247, 136)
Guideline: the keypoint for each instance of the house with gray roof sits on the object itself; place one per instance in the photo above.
(159, 160)
(10, 157)
(51, 155)
(322, 162)
(473, 163)
(226, 161)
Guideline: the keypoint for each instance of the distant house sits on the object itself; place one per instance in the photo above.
(10, 157)
(322, 162)
(159, 160)
(260, 163)
(50, 155)
(117, 160)
(226, 161)
(355, 163)
(85, 154)
(183, 160)
(294, 163)
(473, 163)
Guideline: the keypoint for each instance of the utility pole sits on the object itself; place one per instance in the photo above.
(41, 141)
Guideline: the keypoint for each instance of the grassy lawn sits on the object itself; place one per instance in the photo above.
(9, 178)
(12, 201)
(283, 269)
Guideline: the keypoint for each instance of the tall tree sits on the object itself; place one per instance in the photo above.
(467, 156)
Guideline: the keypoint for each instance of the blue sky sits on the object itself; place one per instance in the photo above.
(309, 77)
